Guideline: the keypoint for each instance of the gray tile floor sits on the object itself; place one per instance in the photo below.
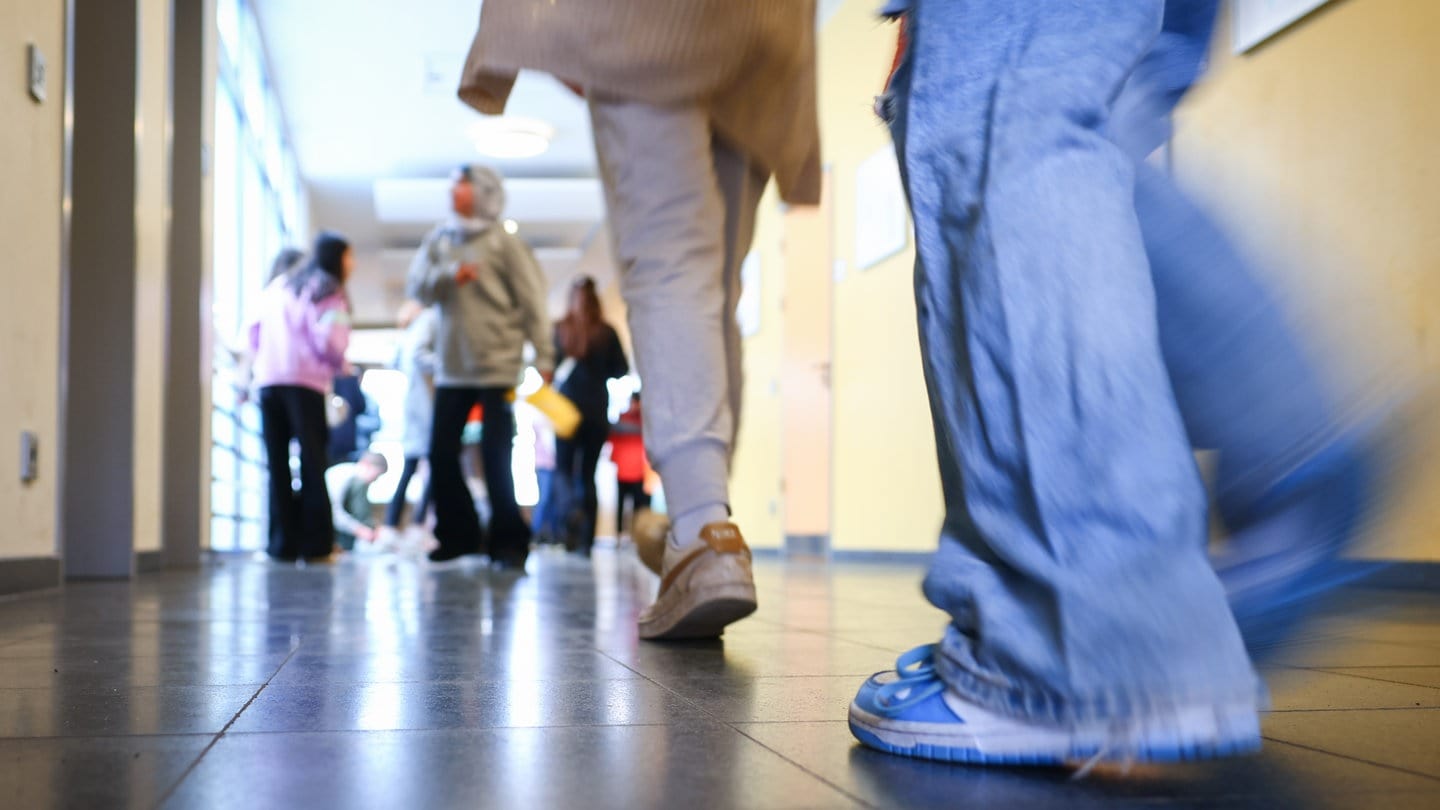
(381, 683)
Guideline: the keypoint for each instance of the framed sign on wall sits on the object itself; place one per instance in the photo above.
(882, 224)
(747, 310)
(1254, 21)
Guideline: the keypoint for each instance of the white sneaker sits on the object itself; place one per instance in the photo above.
(386, 541)
(910, 712)
(705, 586)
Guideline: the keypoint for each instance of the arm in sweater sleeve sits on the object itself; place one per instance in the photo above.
(430, 280)
(559, 346)
(330, 331)
(532, 294)
(417, 355)
(251, 339)
(619, 366)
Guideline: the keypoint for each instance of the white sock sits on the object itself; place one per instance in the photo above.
(685, 529)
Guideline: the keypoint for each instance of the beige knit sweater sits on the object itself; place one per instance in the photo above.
(751, 61)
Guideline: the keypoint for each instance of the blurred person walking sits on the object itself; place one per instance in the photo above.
(590, 349)
(416, 360)
(490, 296)
(1082, 324)
(543, 521)
(243, 359)
(298, 341)
(694, 106)
(627, 450)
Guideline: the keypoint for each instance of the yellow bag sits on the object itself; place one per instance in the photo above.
(558, 408)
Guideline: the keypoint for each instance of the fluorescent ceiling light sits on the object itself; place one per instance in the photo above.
(510, 137)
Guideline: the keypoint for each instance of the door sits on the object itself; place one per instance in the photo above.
(805, 377)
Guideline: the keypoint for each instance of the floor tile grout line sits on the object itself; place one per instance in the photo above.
(1328, 752)
(727, 724)
(1326, 668)
(89, 689)
(679, 723)
(1375, 679)
(837, 788)
(145, 736)
(164, 797)
(1355, 709)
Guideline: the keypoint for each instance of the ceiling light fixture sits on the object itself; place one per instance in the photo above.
(510, 137)
(511, 226)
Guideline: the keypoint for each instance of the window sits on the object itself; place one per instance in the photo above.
(259, 209)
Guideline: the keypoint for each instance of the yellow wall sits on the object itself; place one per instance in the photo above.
(755, 476)
(31, 141)
(887, 490)
(152, 219)
(1319, 149)
(886, 493)
(31, 174)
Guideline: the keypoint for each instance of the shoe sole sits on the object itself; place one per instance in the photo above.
(700, 613)
(1211, 734)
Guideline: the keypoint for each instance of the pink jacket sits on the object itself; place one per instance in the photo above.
(296, 341)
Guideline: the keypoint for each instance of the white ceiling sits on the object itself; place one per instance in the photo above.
(367, 89)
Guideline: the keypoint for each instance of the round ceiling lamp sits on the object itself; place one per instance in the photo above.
(510, 138)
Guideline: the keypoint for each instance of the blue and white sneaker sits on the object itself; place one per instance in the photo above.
(910, 712)
(1288, 548)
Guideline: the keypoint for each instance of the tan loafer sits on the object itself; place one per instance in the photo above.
(707, 585)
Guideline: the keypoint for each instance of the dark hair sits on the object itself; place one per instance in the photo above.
(583, 325)
(329, 253)
(285, 263)
(324, 274)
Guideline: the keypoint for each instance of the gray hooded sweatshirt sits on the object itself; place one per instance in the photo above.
(485, 323)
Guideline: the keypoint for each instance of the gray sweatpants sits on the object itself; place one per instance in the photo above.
(682, 213)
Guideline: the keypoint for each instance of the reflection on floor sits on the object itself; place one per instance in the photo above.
(380, 683)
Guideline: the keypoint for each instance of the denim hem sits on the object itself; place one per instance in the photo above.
(1106, 705)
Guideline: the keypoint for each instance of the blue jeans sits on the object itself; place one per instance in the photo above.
(1082, 324)
(542, 521)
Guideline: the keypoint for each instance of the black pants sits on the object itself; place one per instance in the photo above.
(634, 492)
(457, 525)
(396, 510)
(575, 462)
(300, 523)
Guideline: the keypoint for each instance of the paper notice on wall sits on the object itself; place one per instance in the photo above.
(1255, 21)
(747, 312)
(882, 224)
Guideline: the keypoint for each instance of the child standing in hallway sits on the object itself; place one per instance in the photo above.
(588, 345)
(298, 342)
(627, 450)
(490, 295)
(416, 360)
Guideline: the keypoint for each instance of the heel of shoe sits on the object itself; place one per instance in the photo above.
(701, 613)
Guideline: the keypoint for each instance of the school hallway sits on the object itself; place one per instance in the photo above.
(380, 682)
